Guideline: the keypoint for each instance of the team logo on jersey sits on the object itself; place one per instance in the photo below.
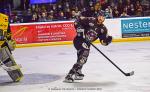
(102, 30)
(91, 24)
(91, 35)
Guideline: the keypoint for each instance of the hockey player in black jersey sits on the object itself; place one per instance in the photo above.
(88, 30)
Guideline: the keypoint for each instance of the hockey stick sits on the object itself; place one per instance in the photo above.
(11, 68)
(126, 74)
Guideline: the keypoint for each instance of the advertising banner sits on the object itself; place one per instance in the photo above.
(43, 32)
(135, 27)
(114, 27)
(42, 1)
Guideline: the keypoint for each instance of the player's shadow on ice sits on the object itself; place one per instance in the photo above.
(29, 79)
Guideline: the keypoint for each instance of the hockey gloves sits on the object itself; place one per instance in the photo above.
(106, 41)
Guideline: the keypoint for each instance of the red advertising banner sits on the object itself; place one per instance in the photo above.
(43, 32)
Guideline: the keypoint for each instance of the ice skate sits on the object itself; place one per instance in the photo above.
(79, 76)
(69, 79)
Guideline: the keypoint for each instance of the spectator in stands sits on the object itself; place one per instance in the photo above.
(61, 16)
(34, 18)
(138, 8)
(77, 11)
(51, 12)
(73, 15)
(91, 12)
(16, 19)
(116, 13)
(91, 4)
(120, 6)
(43, 17)
(131, 10)
(103, 3)
(84, 12)
(146, 5)
(59, 8)
(108, 12)
(50, 18)
(124, 14)
(128, 3)
(97, 9)
(36, 9)
(43, 8)
(67, 13)
(67, 4)
(90, 8)
(112, 3)
(55, 12)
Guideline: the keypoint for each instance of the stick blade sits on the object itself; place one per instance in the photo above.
(130, 74)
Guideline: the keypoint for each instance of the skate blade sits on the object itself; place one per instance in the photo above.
(68, 81)
(78, 78)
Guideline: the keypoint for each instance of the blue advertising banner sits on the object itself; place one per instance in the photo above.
(42, 1)
(135, 27)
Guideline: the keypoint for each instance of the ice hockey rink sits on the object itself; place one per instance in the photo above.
(44, 69)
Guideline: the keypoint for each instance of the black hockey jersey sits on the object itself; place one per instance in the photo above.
(89, 29)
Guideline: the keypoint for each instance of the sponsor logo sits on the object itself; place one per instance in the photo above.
(135, 25)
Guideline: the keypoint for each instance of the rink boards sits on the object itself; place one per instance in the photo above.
(63, 32)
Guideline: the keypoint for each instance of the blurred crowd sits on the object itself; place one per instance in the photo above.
(71, 9)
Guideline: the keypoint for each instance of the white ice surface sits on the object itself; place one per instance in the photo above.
(44, 69)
